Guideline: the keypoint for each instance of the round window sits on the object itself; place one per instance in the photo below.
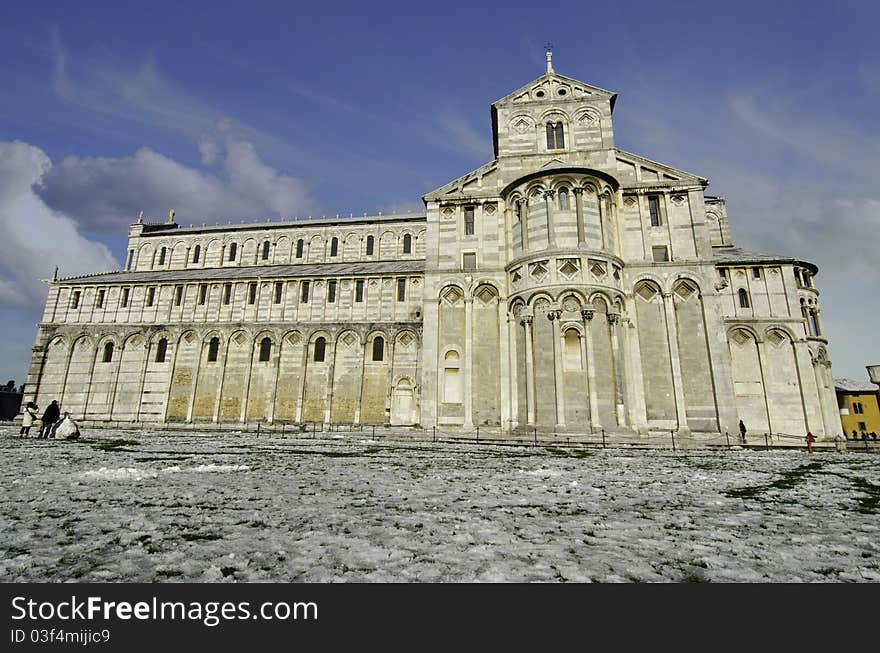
(539, 94)
(562, 91)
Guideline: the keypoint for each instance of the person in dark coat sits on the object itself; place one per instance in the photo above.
(742, 431)
(50, 416)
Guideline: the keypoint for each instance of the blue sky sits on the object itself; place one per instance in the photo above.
(264, 109)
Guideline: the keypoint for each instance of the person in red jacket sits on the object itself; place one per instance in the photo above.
(810, 439)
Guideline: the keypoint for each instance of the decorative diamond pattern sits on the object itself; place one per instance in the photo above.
(515, 276)
(629, 200)
(598, 269)
(740, 337)
(189, 338)
(521, 125)
(538, 270)
(349, 340)
(646, 292)
(485, 294)
(569, 267)
(452, 295)
(685, 290)
(776, 338)
(294, 339)
(239, 339)
(405, 340)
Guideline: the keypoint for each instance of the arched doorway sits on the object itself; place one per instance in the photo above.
(402, 403)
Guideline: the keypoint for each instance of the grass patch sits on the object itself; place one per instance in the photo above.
(114, 445)
(787, 481)
(870, 503)
(168, 573)
(696, 578)
(201, 537)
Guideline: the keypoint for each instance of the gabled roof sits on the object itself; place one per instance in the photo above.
(730, 255)
(680, 175)
(579, 88)
(253, 272)
(457, 185)
(851, 385)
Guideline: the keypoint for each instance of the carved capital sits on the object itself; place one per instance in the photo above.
(554, 314)
(577, 190)
(525, 319)
(613, 318)
(548, 194)
(587, 314)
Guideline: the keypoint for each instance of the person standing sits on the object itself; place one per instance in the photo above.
(810, 439)
(30, 415)
(742, 431)
(50, 416)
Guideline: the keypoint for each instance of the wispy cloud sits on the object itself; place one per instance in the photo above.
(142, 94)
(823, 138)
(454, 133)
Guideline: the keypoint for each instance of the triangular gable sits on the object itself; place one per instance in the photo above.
(466, 182)
(664, 173)
(577, 90)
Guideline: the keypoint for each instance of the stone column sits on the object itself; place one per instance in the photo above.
(672, 339)
(255, 348)
(504, 367)
(548, 203)
(595, 422)
(360, 385)
(301, 391)
(579, 210)
(195, 380)
(389, 395)
(820, 392)
(513, 377)
(617, 359)
(468, 361)
(328, 383)
(276, 359)
(530, 370)
(554, 317)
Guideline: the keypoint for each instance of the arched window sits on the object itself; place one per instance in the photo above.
(266, 246)
(407, 244)
(320, 347)
(299, 248)
(334, 247)
(563, 200)
(213, 349)
(108, 352)
(162, 256)
(452, 378)
(743, 298)
(265, 349)
(572, 350)
(233, 249)
(370, 242)
(378, 348)
(197, 252)
(814, 322)
(555, 136)
(161, 349)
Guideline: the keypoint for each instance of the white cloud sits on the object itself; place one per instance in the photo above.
(107, 193)
(34, 237)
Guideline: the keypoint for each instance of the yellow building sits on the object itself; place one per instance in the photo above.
(859, 408)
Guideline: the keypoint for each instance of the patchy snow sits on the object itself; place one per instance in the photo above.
(148, 507)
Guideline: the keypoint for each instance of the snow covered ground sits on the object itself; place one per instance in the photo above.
(147, 507)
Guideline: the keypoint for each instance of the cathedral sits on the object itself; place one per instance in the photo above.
(566, 285)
